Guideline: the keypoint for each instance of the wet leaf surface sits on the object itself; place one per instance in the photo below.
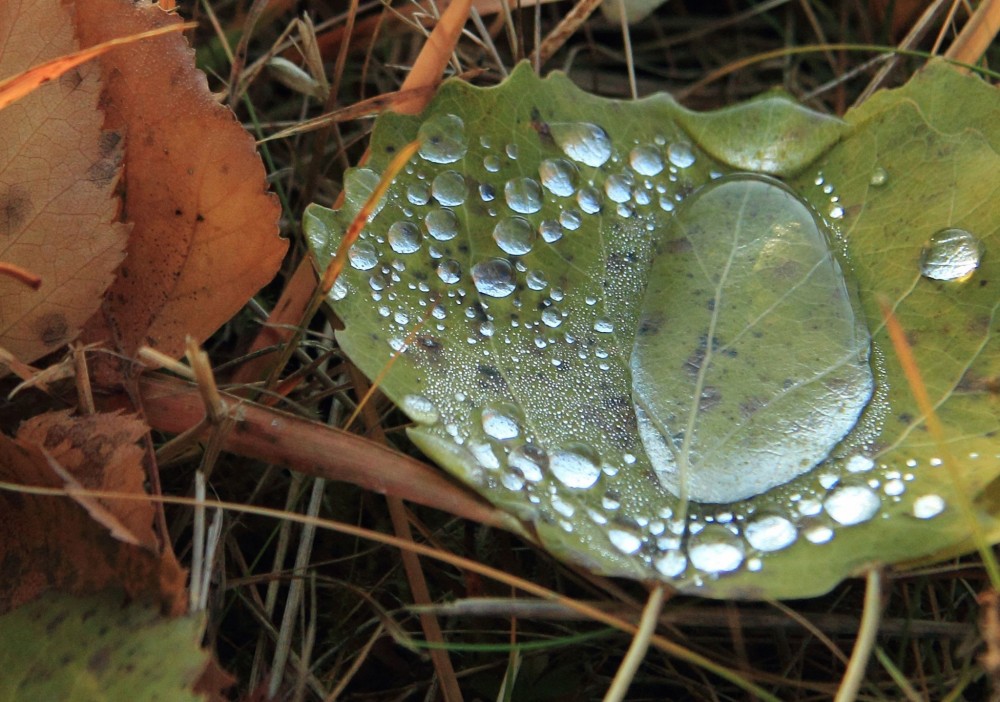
(548, 259)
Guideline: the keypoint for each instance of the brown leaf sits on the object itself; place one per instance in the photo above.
(53, 542)
(205, 228)
(57, 177)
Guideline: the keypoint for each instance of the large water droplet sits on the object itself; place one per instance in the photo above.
(362, 255)
(514, 235)
(646, 160)
(680, 154)
(852, 504)
(449, 271)
(575, 465)
(530, 461)
(420, 409)
(951, 254)
(502, 422)
(671, 564)
(441, 224)
(715, 549)
(928, 506)
(624, 540)
(449, 188)
(771, 349)
(442, 139)
(583, 142)
(523, 195)
(770, 533)
(618, 188)
(558, 176)
(404, 237)
(494, 277)
(589, 200)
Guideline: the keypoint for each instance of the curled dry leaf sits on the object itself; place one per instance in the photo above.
(67, 544)
(58, 171)
(205, 228)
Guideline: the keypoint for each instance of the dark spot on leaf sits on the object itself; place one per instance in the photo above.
(390, 149)
(490, 378)
(693, 363)
(199, 217)
(15, 208)
(52, 328)
(905, 417)
(540, 126)
(99, 660)
(178, 212)
(676, 246)
(650, 323)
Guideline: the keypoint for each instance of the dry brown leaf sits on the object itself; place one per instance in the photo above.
(54, 542)
(57, 176)
(205, 234)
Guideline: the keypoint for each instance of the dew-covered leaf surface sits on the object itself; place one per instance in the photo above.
(672, 368)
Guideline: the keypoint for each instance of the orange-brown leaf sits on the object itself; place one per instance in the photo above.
(205, 234)
(55, 542)
(57, 177)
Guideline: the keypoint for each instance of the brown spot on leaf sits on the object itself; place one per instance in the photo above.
(15, 207)
(52, 329)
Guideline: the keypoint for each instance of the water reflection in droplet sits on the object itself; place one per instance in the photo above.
(558, 176)
(770, 533)
(449, 188)
(442, 224)
(449, 271)
(681, 154)
(514, 235)
(646, 161)
(362, 255)
(523, 195)
(404, 237)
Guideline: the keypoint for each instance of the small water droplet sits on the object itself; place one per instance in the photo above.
(501, 423)
(680, 154)
(512, 481)
(558, 176)
(551, 317)
(570, 219)
(449, 271)
(491, 163)
(605, 326)
(836, 212)
(494, 277)
(418, 193)
(671, 564)
(550, 230)
(339, 290)
(529, 460)
(859, 464)
(511, 151)
(362, 255)
(523, 195)
(625, 541)
(951, 254)
(514, 235)
(404, 237)
(449, 188)
(589, 200)
(852, 504)
(420, 409)
(583, 142)
(536, 280)
(618, 188)
(715, 549)
(928, 506)
(819, 534)
(645, 160)
(442, 139)
(441, 224)
(880, 177)
(770, 533)
(576, 466)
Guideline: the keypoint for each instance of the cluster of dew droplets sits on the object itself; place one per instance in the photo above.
(424, 269)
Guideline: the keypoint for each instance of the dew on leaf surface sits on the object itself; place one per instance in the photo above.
(494, 277)
(501, 423)
(575, 466)
(523, 195)
(442, 224)
(770, 533)
(449, 188)
(362, 255)
(449, 271)
(646, 160)
(715, 549)
(558, 176)
(852, 504)
(404, 237)
(879, 177)
(420, 409)
(773, 347)
(442, 139)
(928, 506)
(681, 154)
(514, 235)
(528, 460)
(583, 142)
(951, 254)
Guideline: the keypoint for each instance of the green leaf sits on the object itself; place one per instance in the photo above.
(552, 261)
(95, 649)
